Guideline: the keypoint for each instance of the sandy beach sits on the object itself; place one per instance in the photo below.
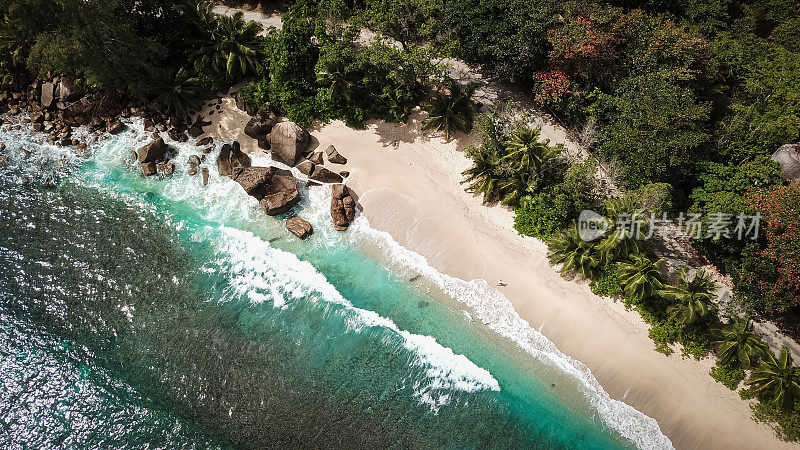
(408, 183)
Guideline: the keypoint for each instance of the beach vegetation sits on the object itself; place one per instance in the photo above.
(453, 111)
(233, 48)
(575, 255)
(641, 277)
(176, 92)
(729, 376)
(693, 299)
(737, 345)
(776, 379)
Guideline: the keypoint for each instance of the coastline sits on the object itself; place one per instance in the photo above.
(413, 192)
(408, 183)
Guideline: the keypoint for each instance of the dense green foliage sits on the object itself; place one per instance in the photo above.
(729, 376)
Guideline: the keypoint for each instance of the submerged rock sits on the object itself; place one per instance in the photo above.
(116, 127)
(148, 168)
(299, 227)
(152, 152)
(166, 167)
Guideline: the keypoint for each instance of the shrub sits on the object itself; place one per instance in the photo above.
(607, 283)
(727, 375)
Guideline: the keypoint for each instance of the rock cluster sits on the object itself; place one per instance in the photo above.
(274, 188)
(343, 207)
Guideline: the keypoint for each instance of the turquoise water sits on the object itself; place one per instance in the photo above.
(160, 312)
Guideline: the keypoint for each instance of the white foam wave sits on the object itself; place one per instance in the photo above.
(495, 310)
(261, 273)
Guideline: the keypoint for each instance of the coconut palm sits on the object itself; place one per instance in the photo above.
(693, 298)
(737, 343)
(233, 48)
(776, 378)
(15, 44)
(620, 243)
(566, 247)
(340, 84)
(485, 176)
(641, 277)
(176, 92)
(452, 112)
(528, 153)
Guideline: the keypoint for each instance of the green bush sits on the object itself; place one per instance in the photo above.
(540, 216)
(256, 94)
(785, 422)
(607, 283)
(727, 375)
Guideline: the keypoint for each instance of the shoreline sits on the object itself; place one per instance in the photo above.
(408, 184)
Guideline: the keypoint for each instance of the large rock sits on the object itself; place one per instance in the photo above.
(334, 156)
(287, 142)
(48, 98)
(299, 227)
(206, 141)
(239, 159)
(324, 175)
(788, 156)
(276, 189)
(342, 207)
(224, 161)
(254, 181)
(68, 91)
(115, 127)
(148, 168)
(195, 131)
(152, 152)
(258, 127)
(205, 176)
(316, 158)
(306, 168)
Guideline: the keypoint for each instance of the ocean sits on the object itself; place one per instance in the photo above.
(158, 312)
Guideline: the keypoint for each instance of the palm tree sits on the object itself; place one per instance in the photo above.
(484, 177)
(693, 298)
(451, 112)
(737, 342)
(233, 48)
(619, 243)
(576, 255)
(641, 277)
(528, 153)
(15, 44)
(340, 84)
(776, 378)
(176, 92)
